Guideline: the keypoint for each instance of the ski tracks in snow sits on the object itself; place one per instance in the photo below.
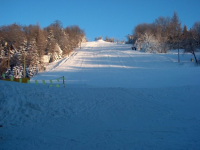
(128, 68)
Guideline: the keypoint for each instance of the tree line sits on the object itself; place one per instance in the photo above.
(107, 39)
(24, 46)
(166, 33)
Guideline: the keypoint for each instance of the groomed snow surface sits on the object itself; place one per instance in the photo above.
(114, 99)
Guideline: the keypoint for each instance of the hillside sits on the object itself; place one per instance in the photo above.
(105, 64)
(114, 98)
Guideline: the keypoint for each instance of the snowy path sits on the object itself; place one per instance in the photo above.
(114, 99)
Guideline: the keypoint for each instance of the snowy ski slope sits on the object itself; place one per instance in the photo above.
(114, 65)
(114, 98)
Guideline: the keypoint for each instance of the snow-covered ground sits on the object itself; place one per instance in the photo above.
(104, 64)
(114, 99)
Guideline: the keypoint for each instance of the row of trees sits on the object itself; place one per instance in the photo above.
(166, 33)
(27, 45)
(107, 39)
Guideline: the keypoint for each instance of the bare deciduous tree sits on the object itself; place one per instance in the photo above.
(192, 42)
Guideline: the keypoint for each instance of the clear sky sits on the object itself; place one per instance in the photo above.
(112, 18)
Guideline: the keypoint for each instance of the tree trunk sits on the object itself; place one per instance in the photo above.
(195, 56)
(8, 57)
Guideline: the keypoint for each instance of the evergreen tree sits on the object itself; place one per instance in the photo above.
(185, 29)
(175, 31)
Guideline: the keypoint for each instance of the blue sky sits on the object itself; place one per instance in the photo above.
(112, 18)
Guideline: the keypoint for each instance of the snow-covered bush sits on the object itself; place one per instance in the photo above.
(15, 71)
(150, 44)
(32, 71)
(18, 72)
(8, 73)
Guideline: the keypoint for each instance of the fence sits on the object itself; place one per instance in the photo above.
(27, 80)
